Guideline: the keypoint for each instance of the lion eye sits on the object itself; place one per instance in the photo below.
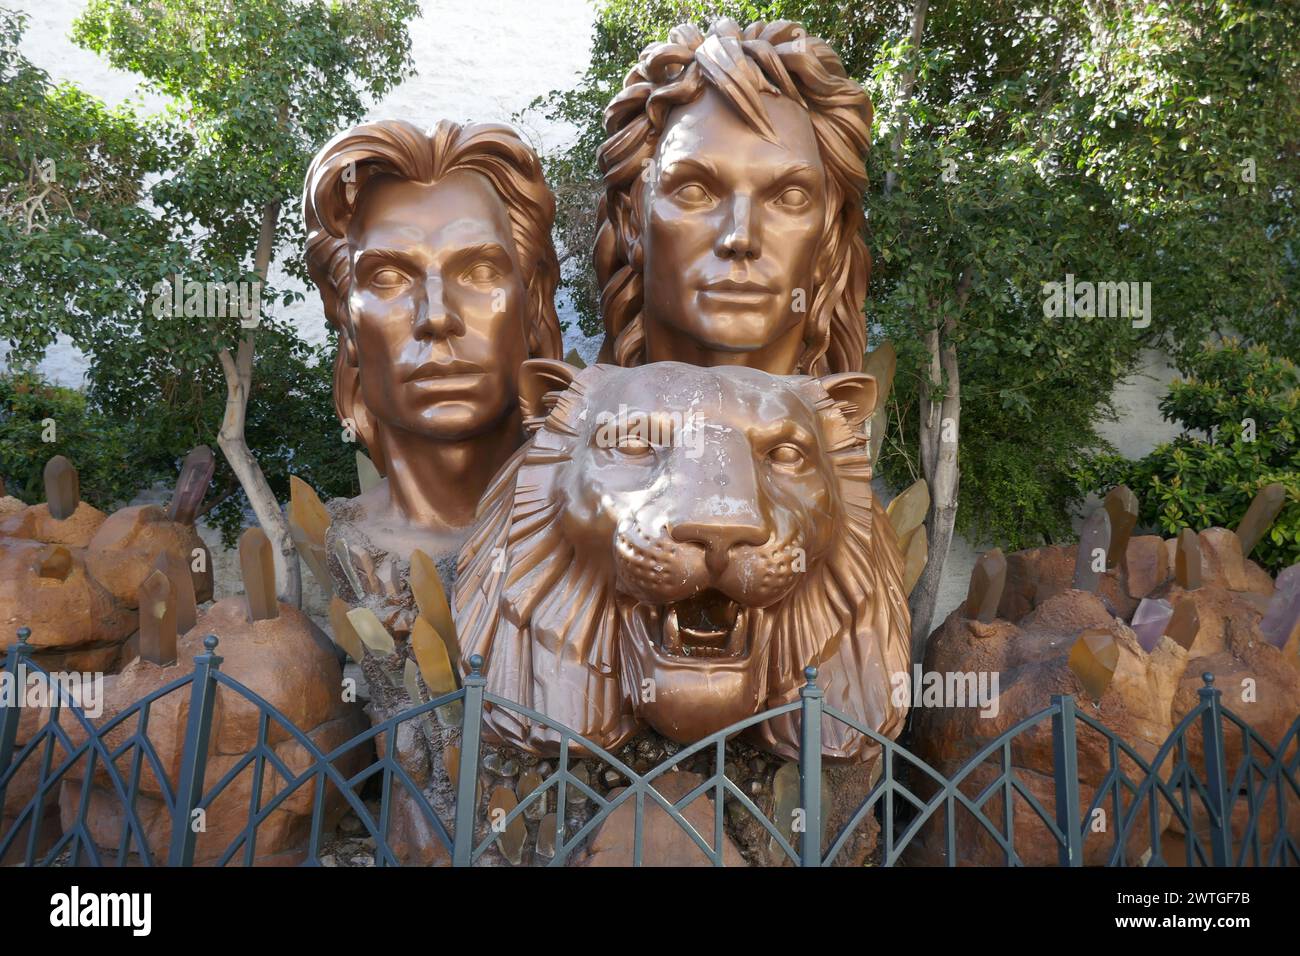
(787, 455)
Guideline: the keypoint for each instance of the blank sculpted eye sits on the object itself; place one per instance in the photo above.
(793, 197)
(787, 455)
(383, 272)
(387, 278)
(693, 194)
(482, 272)
(688, 183)
(483, 264)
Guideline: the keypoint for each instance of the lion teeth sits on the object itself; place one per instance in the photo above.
(739, 633)
(672, 635)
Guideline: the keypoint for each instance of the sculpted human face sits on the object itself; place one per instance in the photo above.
(437, 305)
(732, 225)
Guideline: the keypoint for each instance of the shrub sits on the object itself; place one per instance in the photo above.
(1240, 410)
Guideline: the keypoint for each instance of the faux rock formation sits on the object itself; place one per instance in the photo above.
(286, 660)
(77, 624)
(1124, 687)
(1166, 613)
(82, 615)
(1258, 679)
(663, 839)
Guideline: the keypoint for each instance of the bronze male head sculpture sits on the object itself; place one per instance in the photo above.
(433, 256)
(730, 231)
(671, 549)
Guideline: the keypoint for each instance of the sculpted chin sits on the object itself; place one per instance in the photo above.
(672, 547)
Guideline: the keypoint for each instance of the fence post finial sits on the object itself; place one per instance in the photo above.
(194, 760)
(1216, 772)
(467, 785)
(1065, 771)
(810, 769)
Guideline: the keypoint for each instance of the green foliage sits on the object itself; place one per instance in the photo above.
(1191, 131)
(79, 249)
(256, 87)
(110, 474)
(1240, 410)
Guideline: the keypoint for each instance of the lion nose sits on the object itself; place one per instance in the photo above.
(719, 537)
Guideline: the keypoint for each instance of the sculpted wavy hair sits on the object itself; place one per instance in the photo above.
(397, 148)
(763, 58)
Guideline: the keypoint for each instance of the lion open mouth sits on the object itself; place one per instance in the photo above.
(708, 624)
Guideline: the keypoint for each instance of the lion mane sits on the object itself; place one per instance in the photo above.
(544, 619)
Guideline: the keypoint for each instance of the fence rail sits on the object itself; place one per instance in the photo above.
(913, 803)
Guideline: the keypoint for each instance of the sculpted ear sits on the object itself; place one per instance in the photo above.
(540, 383)
(854, 393)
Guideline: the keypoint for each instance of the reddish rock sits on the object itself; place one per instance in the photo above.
(35, 523)
(1146, 565)
(1222, 562)
(664, 842)
(76, 624)
(1038, 574)
(1031, 660)
(125, 547)
(1259, 683)
(1219, 564)
(1146, 698)
(80, 621)
(286, 661)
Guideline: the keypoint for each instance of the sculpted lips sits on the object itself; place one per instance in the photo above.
(741, 292)
(450, 370)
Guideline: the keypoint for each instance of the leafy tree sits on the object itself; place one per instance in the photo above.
(1240, 412)
(1193, 132)
(80, 253)
(256, 87)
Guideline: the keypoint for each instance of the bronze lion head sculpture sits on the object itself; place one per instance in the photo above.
(672, 547)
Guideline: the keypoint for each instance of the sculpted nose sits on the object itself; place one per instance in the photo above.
(740, 238)
(435, 318)
(720, 535)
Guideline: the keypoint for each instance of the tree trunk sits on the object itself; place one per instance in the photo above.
(905, 88)
(239, 379)
(939, 429)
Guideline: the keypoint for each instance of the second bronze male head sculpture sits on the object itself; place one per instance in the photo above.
(433, 255)
(730, 232)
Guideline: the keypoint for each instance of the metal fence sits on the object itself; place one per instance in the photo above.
(1223, 810)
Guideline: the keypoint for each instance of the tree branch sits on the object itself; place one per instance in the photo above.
(906, 86)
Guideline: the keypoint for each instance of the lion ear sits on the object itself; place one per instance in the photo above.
(541, 381)
(854, 393)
